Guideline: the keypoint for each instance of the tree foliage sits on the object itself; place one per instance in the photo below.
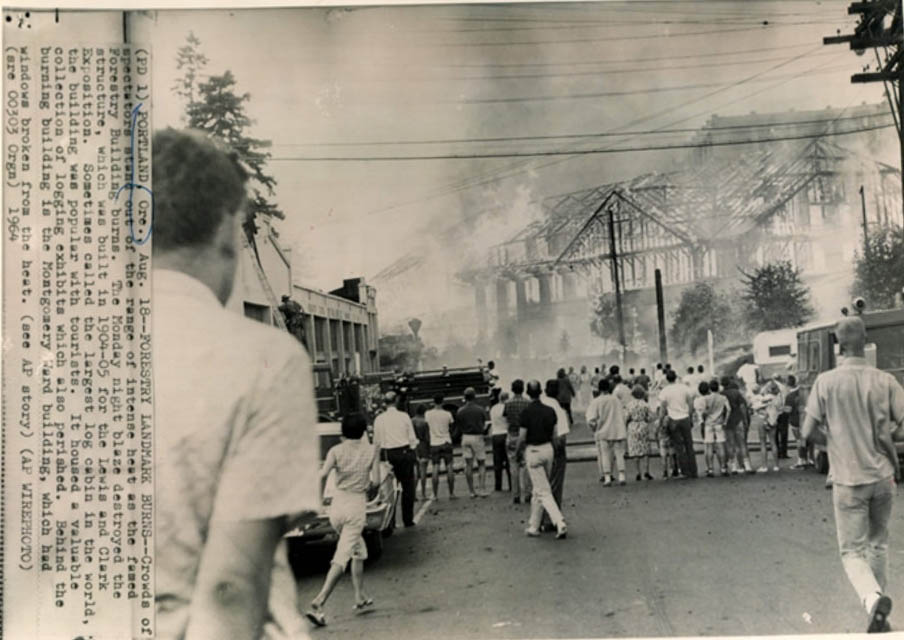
(880, 276)
(775, 297)
(701, 308)
(191, 62)
(215, 107)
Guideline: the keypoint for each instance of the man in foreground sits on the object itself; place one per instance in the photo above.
(857, 411)
(236, 446)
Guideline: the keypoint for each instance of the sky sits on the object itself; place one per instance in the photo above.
(439, 80)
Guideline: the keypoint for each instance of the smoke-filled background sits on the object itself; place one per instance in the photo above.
(339, 90)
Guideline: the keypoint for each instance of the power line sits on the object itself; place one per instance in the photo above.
(607, 94)
(569, 152)
(574, 74)
(520, 167)
(568, 136)
(574, 63)
(599, 39)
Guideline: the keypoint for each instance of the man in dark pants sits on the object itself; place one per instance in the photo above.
(394, 436)
(677, 404)
(559, 459)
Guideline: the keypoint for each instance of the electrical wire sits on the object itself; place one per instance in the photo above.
(564, 152)
(568, 136)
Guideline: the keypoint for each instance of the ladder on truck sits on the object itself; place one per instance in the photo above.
(265, 284)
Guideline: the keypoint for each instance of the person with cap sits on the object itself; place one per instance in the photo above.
(857, 412)
(538, 424)
(472, 419)
(394, 436)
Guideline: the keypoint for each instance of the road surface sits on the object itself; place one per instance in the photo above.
(724, 556)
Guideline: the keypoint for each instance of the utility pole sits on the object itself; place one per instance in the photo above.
(880, 26)
(866, 249)
(660, 316)
(615, 275)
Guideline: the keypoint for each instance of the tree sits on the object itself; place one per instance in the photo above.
(213, 106)
(701, 308)
(879, 272)
(775, 297)
(191, 62)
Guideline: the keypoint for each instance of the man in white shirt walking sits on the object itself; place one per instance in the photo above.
(857, 411)
(559, 457)
(394, 435)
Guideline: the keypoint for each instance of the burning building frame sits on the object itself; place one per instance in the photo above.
(797, 201)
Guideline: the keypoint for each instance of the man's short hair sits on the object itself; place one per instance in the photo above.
(438, 399)
(552, 388)
(504, 396)
(470, 394)
(491, 364)
(420, 410)
(518, 386)
(603, 386)
(699, 368)
(533, 389)
(714, 385)
(690, 369)
(631, 371)
(353, 426)
(792, 381)
(613, 370)
(703, 388)
(659, 365)
(197, 182)
(670, 375)
(643, 372)
(638, 392)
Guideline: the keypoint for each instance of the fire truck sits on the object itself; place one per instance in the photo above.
(817, 351)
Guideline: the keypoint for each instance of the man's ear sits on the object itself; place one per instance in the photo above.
(227, 238)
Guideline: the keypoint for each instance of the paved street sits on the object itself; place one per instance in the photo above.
(722, 556)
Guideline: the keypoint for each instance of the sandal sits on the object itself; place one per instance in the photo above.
(364, 604)
(315, 615)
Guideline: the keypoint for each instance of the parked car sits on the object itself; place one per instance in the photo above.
(381, 506)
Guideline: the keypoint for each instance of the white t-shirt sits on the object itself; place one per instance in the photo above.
(498, 422)
(562, 425)
(439, 421)
(675, 398)
(747, 373)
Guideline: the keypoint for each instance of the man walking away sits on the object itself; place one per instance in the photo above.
(236, 453)
(606, 417)
(472, 422)
(538, 423)
(512, 414)
(857, 411)
(498, 434)
(676, 404)
(559, 457)
(440, 422)
(394, 437)
(357, 469)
